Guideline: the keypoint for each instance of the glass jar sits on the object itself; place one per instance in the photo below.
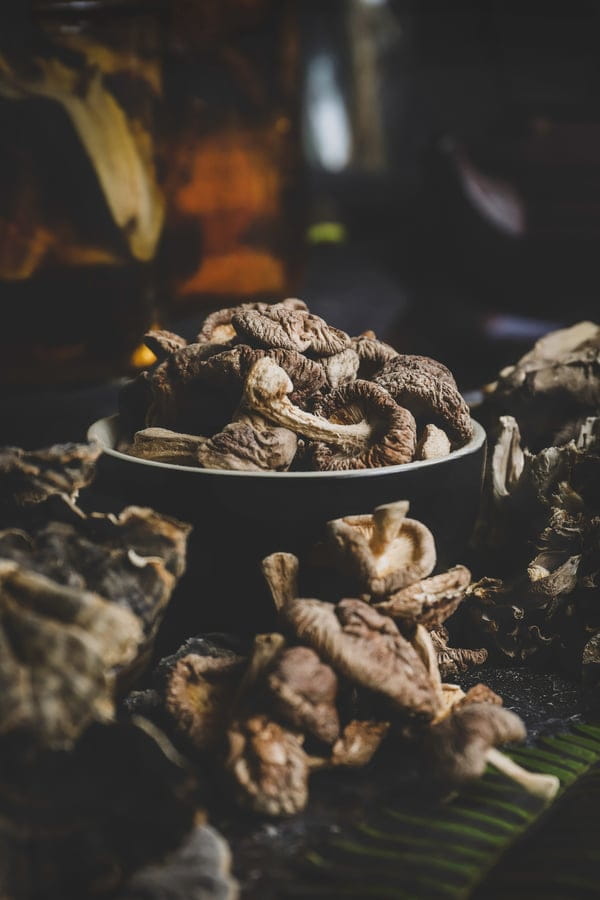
(81, 209)
(234, 226)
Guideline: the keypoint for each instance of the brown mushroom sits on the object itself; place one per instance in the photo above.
(462, 744)
(358, 743)
(454, 660)
(30, 477)
(303, 691)
(217, 328)
(249, 444)
(166, 446)
(290, 329)
(58, 647)
(366, 648)
(384, 551)
(434, 443)
(199, 695)
(355, 747)
(163, 343)
(429, 601)
(372, 353)
(269, 767)
(427, 388)
(392, 429)
(267, 391)
(133, 559)
(341, 368)
(228, 370)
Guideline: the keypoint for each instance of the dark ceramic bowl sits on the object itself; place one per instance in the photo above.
(239, 517)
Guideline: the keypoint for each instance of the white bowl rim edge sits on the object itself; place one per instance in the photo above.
(109, 423)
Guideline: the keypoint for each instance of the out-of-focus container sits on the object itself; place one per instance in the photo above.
(232, 156)
(81, 210)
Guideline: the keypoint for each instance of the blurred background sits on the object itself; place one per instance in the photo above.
(429, 170)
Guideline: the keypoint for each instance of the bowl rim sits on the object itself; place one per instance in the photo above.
(110, 423)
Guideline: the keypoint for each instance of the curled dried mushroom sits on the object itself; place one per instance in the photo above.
(391, 430)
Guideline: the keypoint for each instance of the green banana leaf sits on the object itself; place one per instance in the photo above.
(490, 840)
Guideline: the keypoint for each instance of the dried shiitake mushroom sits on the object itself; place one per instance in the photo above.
(352, 401)
(31, 477)
(391, 436)
(290, 329)
(429, 601)
(384, 551)
(428, 389)
(303, 691)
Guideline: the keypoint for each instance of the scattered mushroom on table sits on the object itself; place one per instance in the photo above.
(350, 402)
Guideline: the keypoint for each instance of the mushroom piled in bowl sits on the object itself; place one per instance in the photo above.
(274, 387)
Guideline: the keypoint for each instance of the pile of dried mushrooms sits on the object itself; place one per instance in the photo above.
(539, 534)
(341, 677)
(272, 387)
(81, 597)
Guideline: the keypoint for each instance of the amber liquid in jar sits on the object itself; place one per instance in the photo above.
(81, 210)
(234, 214)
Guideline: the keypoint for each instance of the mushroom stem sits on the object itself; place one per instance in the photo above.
(281, 574)
(544, 786)
(266, 390)
(265, 649)
(386, 524)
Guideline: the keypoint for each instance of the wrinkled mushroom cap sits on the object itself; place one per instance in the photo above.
(429, 601)
(58, 646)
(269, 767)
(199, 694)
(251, 445)
(358, 743)
(366, 648)
(428, 389)
(303, 690)
(392, 430)
(290, 329)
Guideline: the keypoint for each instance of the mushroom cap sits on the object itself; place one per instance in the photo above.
(341, 368)
(304, 691)
(459, 743)
(366, 648)
(392, 435)
(30, 477)
(429, 601)
(454, 660)
(228, 370)
(218, 328)
(372, 353)
(290, 329)
(382, 558)
(199, 695)
(57, 647)
(434, 443)
(427, 388)
(358, 743)
(250, 445)
(164, 343)
(269, 766)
